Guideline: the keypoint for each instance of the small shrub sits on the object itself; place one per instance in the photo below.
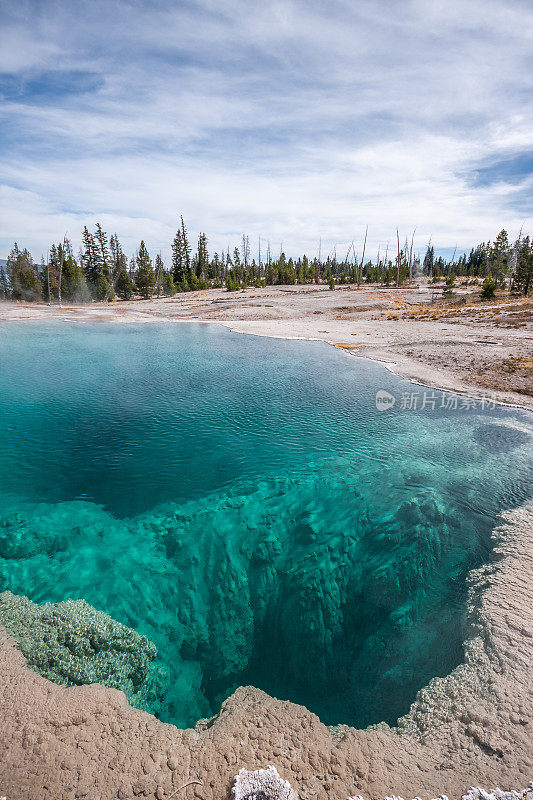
(488, 289)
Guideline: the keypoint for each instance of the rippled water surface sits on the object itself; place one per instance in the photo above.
(241, 502)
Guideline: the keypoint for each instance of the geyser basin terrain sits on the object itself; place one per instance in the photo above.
(241, 503)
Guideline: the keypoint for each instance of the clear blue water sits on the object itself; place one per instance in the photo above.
(241, 502)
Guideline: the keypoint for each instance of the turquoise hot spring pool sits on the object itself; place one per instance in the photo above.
(243, 503)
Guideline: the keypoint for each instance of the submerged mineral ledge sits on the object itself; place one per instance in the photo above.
(473, 726)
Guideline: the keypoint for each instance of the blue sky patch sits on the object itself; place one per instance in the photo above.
(512, 169)
(48, 86)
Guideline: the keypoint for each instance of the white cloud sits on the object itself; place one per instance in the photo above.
(287, 119)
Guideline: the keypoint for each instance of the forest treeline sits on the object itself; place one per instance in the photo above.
(102, 271)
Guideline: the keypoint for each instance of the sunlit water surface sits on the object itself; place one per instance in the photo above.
(241, 502)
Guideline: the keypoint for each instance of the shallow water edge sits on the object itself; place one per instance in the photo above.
(423, 374)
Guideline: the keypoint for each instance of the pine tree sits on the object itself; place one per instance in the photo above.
(169, 287)
(124, 285)
(4, 288)
(92, 265)
(202, 257)
(429, 260)
(499, 256)
(187, 249)
(144, 276)
(488, 289)
(523, 277)
(215, 270)
(118, 259)
(477, 263)
(119, 269)
(52, 277)
(178, 259)
(44, 276)
(105, 256)
(290, 273)
(23, 276)
(159, 270)
(73, 284)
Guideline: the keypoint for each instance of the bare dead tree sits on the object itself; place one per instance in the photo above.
(411, 257)
(514, 256)
(245, 251)
(347, 255)
(361, 265)
(398, 260)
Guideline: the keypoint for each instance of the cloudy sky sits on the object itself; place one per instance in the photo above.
(289, 119)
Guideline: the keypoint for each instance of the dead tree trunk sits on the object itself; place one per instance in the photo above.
(360, 271)
(398, 260)
(411, 257)
(111, 287)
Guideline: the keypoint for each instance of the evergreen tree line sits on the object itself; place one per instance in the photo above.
(103, 272)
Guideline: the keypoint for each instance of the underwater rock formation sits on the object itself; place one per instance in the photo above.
(472, 726)
(308, 589)
(72, 643)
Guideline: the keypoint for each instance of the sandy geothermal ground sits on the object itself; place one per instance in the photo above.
(473, 727)
(460, 344)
